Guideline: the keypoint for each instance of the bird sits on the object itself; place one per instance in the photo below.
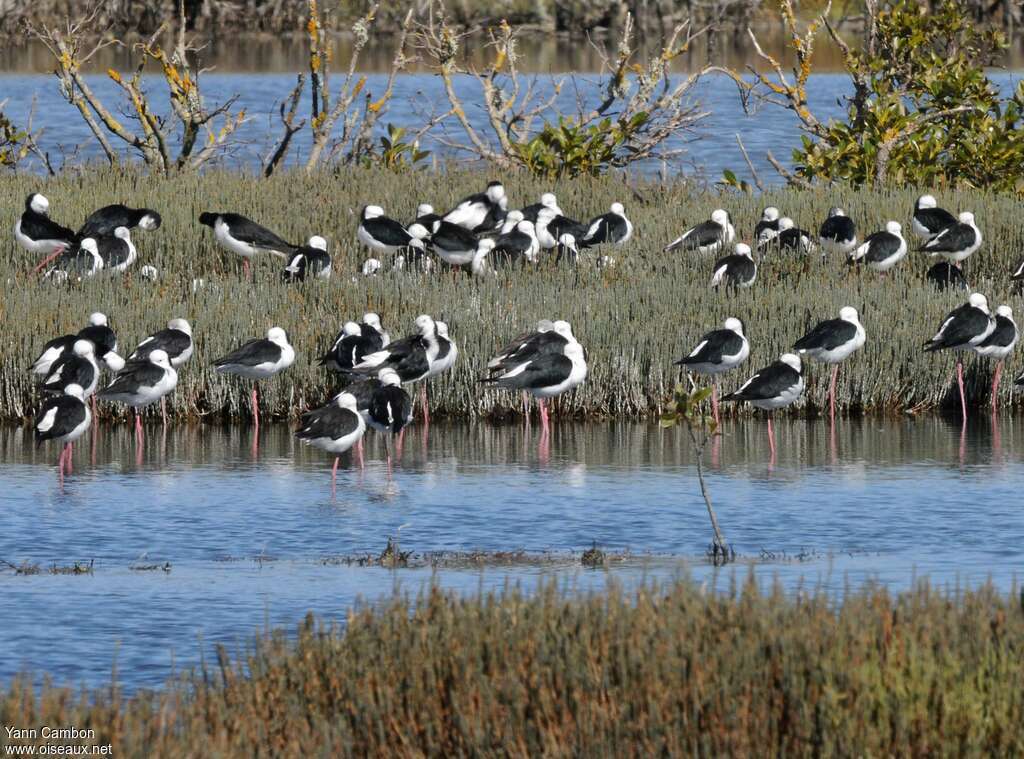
(999, 344)
(838, 233)
(791, 237)
(117, 250)
(447, 351)
(881, 251)
(547, 200)
(104, 221)
(453, 244)
(244, 237)
(37, 233)
(353, 343)
(520, 246)
(371, 267)
(928, 219)
(548, 337)
(411, 357)
(309, 260)
(944, 275)
(767, 227)
(544, 375)
(707, 237)
(97, 332)
(964, 328)
(719, 351)
(832, 342)
(142, 382)
(385, 406)
(78, 367)
(63, 418)
(334, 428)
(736, 270)
(479, 266)
(482, 211)
(956, 242)
(425, 216)
(512, 218)
(372, 328)
(383, 234)
(777, 385)
(612, 228)
(555, 230)
(258, 359)
(176, 341)
(104, 341)
(81, 261)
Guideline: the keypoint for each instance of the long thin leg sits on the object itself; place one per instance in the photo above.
(714, 402)
(359, 453)
(426, 408)
(138, 426)
(771, 437)
(255, 407)
(60, 459)
(334, 476)
(92, 401)
(526, 407)
(398, 446)
(47, 260)
(542, 404)
(832, 393)
(163, 409)
(68, 464)
(960, 383)
(246, 268)
(995, 385)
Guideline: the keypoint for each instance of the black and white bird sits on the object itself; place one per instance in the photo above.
(258, 359)
(520, 246)
(929, 219)
(354, 342)
(117, 250)
(104, 221)
(425, 216)
(63, 418)
(998, 345)
(76, 368)
(308, 261)
(383, 234)
(334, 428)
(372, 328)
(481, 212)
(97, 332)
(141, 383)
(176, 341)
(791, 237)
(37, 233)
(453, 244)
(776, 386)
(956, 242)
(447, 351)
(838, 233)
(832, 342)
(371, 267)
(963, 329)
(719, 351)
(881, 251)
(555, 231)
(736, 270)
(387, 407)
(79, 262)
(544, 375)
(945, 275)
(707, 237)
(244, 237)
(612, 228)
(480, 265)
(512, 219)
(547, 200)
(767, 227)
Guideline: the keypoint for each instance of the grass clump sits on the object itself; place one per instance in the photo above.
(634, 318)
(664, 671)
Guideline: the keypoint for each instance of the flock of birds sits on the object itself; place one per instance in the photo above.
(478, 234)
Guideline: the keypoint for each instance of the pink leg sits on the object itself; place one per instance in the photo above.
(771, 437)
(334, 476)
(960, 383)
(398, 446)
(60, 459)
(246, 268)
(832, 393)
(543, 416)
(714, 402)
(359, 453)
(68, 465)
(138, 426)
(423, 401)
(526, 407)
(48, 259)
(255, 408)
(92, 401)
(995, 385)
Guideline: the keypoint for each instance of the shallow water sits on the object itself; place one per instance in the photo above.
(250, 536)
(711, 147)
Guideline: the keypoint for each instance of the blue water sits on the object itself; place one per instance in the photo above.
(252, 539)
(419, 96)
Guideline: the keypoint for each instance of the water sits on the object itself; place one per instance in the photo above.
(252, 539)
(418, 97)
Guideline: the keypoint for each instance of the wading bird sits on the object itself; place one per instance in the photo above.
(719, 351)
(776, 386)
(963, 329)
(832, 342)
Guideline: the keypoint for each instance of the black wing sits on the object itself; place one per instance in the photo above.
(838, 229)
(388, 231)
(135, 374)
(704, 234)
(173, 341)
(934, 219)
(713, 347)
(962, 325)
(541, 371)
(113, 250)
(69, 369)
(252, 353)
(770, 382)
(248, 231)
(101, 336)
(881, 245)
(452, 237)
(827, 335)
(1004, 334)
(348, 352)
(945, 274)
(37, 226)
(70, 412)
(951, 239)
(330, 421)
(104, 221)
(391, 408)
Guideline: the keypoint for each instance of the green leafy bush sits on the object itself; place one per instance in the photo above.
(569, 149)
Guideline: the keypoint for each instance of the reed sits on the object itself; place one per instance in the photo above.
(634, 318)
(673, 670)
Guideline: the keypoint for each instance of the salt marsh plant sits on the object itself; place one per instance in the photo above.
(633, 318)
(664, 671)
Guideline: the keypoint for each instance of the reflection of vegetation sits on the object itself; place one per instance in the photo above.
(922, 111)
(686, 409)
(662, 671)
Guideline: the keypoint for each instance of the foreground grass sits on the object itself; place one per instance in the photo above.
(634, 319)
(667, 671)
